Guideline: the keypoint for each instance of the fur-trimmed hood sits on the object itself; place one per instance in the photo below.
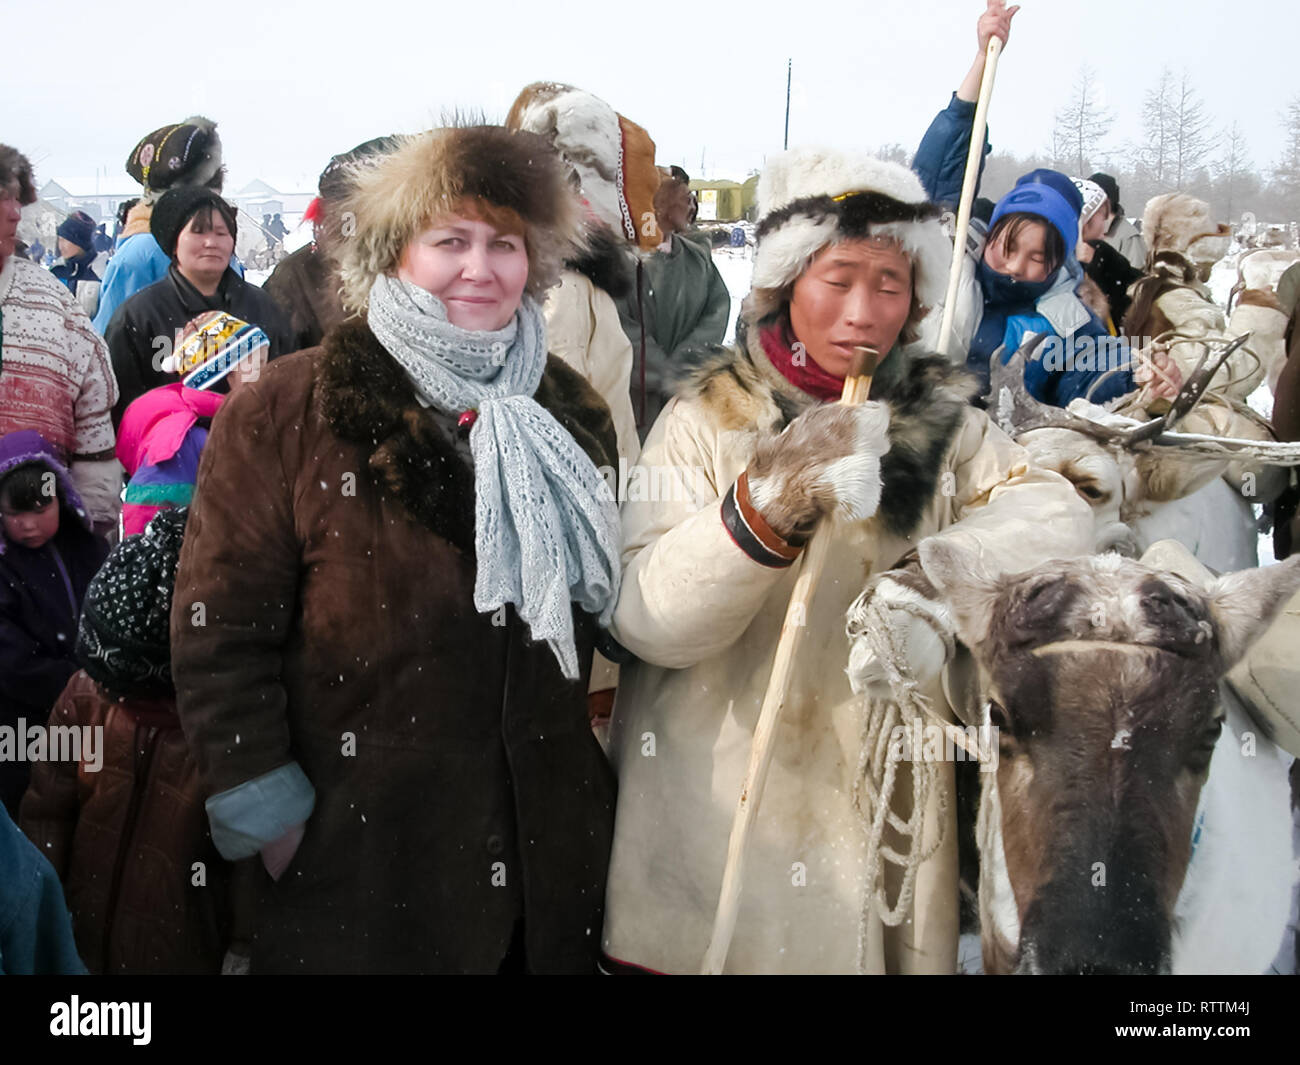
(927, 398)
(414, 452)
(613, 157)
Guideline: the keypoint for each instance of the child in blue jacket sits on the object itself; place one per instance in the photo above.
(1021, 281)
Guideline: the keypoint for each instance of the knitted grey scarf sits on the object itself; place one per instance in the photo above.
(545, 522)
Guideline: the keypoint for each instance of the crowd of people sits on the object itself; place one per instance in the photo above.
(385, 677)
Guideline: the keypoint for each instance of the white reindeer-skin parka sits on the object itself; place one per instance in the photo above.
(703, 618)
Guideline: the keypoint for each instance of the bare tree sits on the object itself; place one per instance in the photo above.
(1190, 126)
(1233, 172)
(1081, 124)
(1286, 171)
(1154, 153)
(1058, 147)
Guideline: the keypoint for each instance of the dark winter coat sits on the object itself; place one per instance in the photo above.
(40, 601)
(1113, 275)
(162, 310)
(458, 788)
(676, 304)
(72, 271)
(306, 287)
(124, 840)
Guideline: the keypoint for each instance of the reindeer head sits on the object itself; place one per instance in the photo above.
(1101, 676)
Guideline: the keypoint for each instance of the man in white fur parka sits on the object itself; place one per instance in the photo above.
(849, 254)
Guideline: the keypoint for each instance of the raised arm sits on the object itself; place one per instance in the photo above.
(940, 160)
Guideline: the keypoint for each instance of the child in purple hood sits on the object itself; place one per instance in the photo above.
(48, 553)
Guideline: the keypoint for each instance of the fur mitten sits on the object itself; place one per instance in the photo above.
(827, 459)
(917, 628)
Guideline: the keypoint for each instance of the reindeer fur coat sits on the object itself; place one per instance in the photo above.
(703, 619)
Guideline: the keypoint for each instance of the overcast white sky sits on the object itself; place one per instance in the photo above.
(291, 85)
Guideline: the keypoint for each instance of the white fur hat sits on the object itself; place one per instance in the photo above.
(811, 197)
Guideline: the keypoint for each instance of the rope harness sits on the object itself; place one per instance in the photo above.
(877, 776)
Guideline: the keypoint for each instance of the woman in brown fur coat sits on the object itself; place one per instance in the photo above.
(398, 557)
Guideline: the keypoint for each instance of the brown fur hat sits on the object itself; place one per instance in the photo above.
(1176, 221)
(396, 195)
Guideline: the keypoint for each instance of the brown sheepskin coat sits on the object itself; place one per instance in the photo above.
(461, 799)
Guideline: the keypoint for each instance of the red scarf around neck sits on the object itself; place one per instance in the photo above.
(809, 377)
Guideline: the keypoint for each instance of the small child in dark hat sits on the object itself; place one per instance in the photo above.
(147, 891)
(48, 554)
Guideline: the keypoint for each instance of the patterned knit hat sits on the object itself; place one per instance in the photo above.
(1093, 197)
(123, 640)
(1110, 187)
(211, 346)
(187, 153)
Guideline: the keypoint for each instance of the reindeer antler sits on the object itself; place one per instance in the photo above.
(1194, 388)
(1017, 412)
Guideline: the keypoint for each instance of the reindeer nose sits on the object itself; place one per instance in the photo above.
(1077, 929)
(1089, 956)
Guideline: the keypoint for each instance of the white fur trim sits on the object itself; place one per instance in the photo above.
(803, 172)
(855, 479)
(784, 253)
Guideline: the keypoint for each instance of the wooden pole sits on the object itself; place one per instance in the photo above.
(973, 158)
(857, 385)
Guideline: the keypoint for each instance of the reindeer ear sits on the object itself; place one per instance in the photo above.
(956, 569)
(1244, 605)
